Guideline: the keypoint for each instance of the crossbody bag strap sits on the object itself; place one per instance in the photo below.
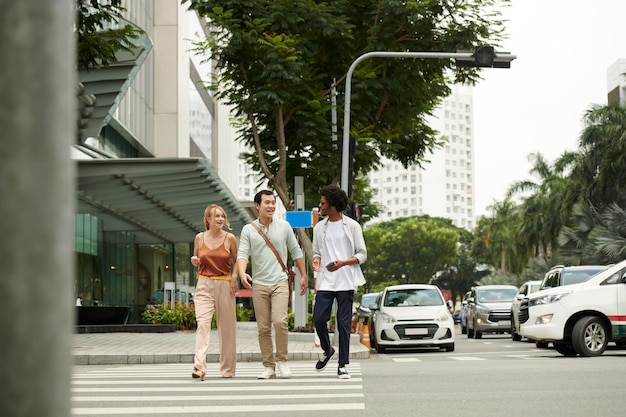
(282, 264)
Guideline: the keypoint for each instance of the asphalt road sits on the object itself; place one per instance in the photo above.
(489, 377)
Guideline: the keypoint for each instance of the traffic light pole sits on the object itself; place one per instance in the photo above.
(472, 57)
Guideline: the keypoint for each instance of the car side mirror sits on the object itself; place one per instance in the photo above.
(449, 304)
(374, 307)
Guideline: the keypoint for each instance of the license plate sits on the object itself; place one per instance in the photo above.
(415, 331)
(505, 323)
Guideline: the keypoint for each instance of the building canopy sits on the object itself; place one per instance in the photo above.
(159, 200)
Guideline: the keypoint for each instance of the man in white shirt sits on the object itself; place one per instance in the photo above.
(338, 251)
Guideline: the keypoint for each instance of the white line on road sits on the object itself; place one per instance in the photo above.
(217, 409)
(207, 388)
(467, 358)
(246, 397)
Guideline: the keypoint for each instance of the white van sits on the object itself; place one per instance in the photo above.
(580, 318)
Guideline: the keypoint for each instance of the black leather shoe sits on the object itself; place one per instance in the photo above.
(321, 364)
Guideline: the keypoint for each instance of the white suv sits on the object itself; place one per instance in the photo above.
(580, 318)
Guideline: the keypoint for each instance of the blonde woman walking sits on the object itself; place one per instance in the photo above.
(215, 255)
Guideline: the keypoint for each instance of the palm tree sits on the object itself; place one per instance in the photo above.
(611, 238)
(594, 232)
(498, 234)
(600, 170)
(576, 240)
(542, 213)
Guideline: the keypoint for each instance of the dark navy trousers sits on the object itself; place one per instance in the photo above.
(321, 315)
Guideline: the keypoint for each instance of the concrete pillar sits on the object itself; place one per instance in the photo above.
(37, 126)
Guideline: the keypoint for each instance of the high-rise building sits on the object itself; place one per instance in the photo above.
(444, 185)
(616, 82)
(153, 150)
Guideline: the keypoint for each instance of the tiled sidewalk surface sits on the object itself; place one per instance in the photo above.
(178, 347)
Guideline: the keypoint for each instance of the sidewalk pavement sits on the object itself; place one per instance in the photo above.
(178, 347)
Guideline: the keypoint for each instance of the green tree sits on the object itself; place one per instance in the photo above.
(594, 237)
(599, 172)
(464, 272)
(496, 241)
(577, 241)
(542, 210)
(278, 61)
(593, 233)
(99, 34)
(410, 250)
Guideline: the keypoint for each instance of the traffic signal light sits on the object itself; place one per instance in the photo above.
(485, 57)
(355, 211)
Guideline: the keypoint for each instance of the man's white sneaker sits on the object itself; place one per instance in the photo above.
(268, 373)
(284, 370)
(342, 373)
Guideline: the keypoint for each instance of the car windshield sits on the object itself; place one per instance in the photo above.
(497, 295)
(413, 297)
(368, 299)
(576, 277)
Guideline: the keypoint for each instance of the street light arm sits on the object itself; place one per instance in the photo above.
(345, 150)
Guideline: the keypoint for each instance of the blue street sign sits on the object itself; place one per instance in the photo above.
(299, 219)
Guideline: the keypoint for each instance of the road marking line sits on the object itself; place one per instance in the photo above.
(219, 381)
(467, 358)
(206, 388)
(217, 409)
(246, 397)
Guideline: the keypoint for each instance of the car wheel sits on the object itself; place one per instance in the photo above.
(565, 349)
(379, 348)
(589, 337)
(373, 343)
(475, 333)
(542, 344)
(450, 347)
(514, 335)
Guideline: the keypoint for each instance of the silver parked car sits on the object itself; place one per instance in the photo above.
(489, 309)
(363, 309)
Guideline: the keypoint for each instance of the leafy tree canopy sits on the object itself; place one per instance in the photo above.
(99, 34)
(277, 60)
(410, 249)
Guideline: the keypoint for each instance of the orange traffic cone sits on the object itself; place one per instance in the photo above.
(365, 336)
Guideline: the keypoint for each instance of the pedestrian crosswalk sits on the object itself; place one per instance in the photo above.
(465, 358)
(168, 389)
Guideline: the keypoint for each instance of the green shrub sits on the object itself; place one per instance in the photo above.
(183, 316)
(308, 328)
(243, 314)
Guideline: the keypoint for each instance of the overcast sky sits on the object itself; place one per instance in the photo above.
(563, 49)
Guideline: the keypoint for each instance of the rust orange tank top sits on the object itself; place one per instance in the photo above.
(214, 262)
